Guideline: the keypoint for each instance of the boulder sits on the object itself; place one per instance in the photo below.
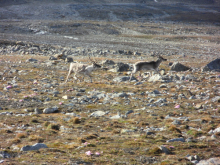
(98, 114)
(124, 78)
(120, 67)
(178, 67)
(36, 146)
(107, 62)
(50, 110)
(210, 161)
(155, 77)
(213, 65)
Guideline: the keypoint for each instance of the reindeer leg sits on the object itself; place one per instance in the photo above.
(131, 76)
(70, 71)
(76, 78)
(89, 77)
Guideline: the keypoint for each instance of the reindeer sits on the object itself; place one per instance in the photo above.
(143, 65)
(84, 69)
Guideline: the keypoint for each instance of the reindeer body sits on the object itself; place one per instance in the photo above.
(83, 69)
(143, 65)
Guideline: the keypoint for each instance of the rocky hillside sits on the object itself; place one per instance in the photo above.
(168, 118)
(148, 10)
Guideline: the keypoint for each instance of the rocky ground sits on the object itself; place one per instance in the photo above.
(168, 118)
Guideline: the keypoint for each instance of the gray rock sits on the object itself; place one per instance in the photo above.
(176, 122)
(211, 161)
(31, 60)
(122, 94)
(155, 77)
(124, 78)
(149, 133)
(138, 83)
(165, 150)
(120, 67)
(216, 99)
(163, 86)
(178, 67)
(190, 77)
(161, 100)
(50, 110)
(118, 116)
(4, 154)
(107, 62)
(52, 58)
(37, 111)
(69, 59)
(36, 146)
(98, 114)
(176, 139)
(213, 65)
(47, 85)
(128, 112)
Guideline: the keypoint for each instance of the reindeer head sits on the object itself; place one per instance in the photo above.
(161, 58)
(95, 65)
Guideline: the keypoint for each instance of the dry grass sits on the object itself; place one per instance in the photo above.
(101, 134)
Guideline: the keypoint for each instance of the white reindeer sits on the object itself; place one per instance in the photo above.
(143, 65)
(83, 69)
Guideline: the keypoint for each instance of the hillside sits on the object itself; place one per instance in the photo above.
(169, 117)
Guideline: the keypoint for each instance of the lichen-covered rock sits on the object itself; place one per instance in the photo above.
(178, 67)
(213, 65)
(36, 146)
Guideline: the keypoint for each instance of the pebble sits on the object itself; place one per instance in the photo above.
(176, 139)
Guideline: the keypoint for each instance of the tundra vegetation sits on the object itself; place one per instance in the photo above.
(172, 118)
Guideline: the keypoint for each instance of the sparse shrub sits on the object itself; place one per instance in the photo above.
(174, 129)
(46, 123)
(116, 131)
(53, 126)
(16, 140)
(76, 120)
(34, 121)
(155, 151)
(21, 135)
(91, 145)
(92, 136)
(81, 140)
(36, 138)
(194, 133)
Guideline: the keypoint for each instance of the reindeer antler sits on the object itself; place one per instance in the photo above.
(92, 60)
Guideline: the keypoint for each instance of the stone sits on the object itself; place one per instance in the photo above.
(213, 65)
(121, 94)
(36, 146)
(211, 161)
(118, 116)
(107, 62)
(69, 59)
(155, 77)
(31, 60)
(98, 114)
(66, 97)
(216, 99)
(176, 122)
(176, 140)
(165, 150)
(124, 78)
(178, 67)
(50, 110)
(163, 86)
(37, 111)
(128, 112)
(120, 67)
(4, 154)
